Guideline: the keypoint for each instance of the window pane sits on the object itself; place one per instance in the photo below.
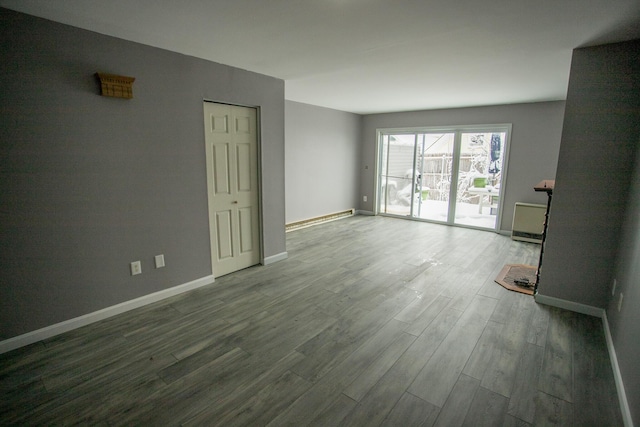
(397, 174)
(479, 176)
(435, 156)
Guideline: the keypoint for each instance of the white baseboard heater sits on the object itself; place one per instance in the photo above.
(528, 222)
(318, 220)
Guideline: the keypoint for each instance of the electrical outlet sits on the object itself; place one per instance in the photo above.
(620, 302)
(136, 268)
(364, 198)
(613, 289)
(159, 261)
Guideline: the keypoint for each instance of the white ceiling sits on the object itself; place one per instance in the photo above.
(368, 56)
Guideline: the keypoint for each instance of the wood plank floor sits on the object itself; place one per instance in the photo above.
(371, 321)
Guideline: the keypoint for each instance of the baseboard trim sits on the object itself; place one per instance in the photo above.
(622, 395)
(569, 305)
(275, 258)
(96, 316)
(368, 213)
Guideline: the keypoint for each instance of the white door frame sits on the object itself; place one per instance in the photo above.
(260, 234)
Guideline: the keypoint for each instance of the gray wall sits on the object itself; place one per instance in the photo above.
(599, 139)
(322, 153)
(533, 153)
(594, 228)
(89, 183)
(625, 324)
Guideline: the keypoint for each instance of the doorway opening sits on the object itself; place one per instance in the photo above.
(453, 176)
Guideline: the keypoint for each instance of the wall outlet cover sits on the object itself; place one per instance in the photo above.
(136, 268)
(620, 301)
(159, 261)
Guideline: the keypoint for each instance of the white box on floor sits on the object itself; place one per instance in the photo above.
(528, 222)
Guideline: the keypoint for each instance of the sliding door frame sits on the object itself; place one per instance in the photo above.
(458, 131)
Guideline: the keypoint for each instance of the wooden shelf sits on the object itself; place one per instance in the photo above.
(546, 185)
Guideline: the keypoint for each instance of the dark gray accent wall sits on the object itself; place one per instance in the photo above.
(322, 154)
(533, 153)
(595, 168)
(89, 184)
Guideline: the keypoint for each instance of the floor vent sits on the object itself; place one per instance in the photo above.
(319, 220)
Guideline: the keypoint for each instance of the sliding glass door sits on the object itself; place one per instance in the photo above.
(433, 161)
(452, 176)
(479, 178)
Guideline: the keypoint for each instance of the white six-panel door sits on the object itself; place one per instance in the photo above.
(231, 141)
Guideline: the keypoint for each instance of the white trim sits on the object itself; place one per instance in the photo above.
(622, 396)
(275, 258)
(77, 322)
(367, 213)
(569, 305)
